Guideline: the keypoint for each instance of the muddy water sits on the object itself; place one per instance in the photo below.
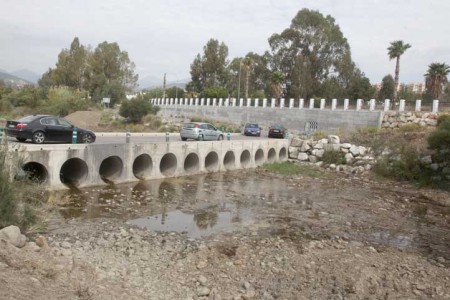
(262, 204)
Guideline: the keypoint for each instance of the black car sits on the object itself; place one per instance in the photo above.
(44, 128)
(277, 130)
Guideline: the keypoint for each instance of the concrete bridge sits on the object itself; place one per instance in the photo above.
(82, 165)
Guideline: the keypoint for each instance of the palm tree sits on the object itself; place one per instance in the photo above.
(395, 50)
(436, 78)
(276, 80)
(247, 66)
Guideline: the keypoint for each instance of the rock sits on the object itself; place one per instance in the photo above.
(203, 291)
(349, 158)
(306, 145)
(66, 245)
(293, 152)
(318, 146)
(334, 139)
(202, 280)
(346, 145)
(12, 235)
(303, 156)
(312, 158)
(318, 152)
(41, 241)
(296, 142)
(201, 265)
(354, 150)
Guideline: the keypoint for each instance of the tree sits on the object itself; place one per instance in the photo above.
(110, 73)
(210, 69)
(436, 79)
(247, 64)
(395, 50)
(307, 53)
(387, 88)
(136, 108)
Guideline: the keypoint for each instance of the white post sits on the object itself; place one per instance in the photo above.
(358, 104)
(291, 103)
(273, 103)
(233, 102)
(346, 104)
(322, 103)
(208, 101)
(191, 101)
(372, 104)
(311, 103)
(301, 103)
(282, 103)
(264, 102)
(249, 102)
(418, 105)
(256, 102)
(241, 102)
(227, 102)
(214, 102)
(333, 104)
(387, 104)
(435, 106)
(220, 101)
(401, 107)
(196, 101)
(202, 101)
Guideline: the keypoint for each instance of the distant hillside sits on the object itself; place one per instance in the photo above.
(149, 82)
(27, 75)
(13, 80)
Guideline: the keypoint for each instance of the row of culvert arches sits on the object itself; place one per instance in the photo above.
(75, 170)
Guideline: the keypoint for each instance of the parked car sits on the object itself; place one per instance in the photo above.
(200, 131)
(44, 128)
(277, 130)
(252, 129)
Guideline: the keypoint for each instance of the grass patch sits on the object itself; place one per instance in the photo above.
(291, 169)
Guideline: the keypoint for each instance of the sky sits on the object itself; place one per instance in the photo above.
(165, 36)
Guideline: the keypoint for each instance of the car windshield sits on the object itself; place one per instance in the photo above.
(252, 126)
(189, 125)
(277, 126)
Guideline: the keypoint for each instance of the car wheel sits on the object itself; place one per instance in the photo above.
(184, 139)
(21, 139)
(87, 138)
(38, 137)
(220, 138)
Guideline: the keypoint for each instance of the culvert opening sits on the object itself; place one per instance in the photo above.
(168, 164)
(191, 163)
(245, 159)
(111, 168)
(271, 155)
(283, 154)
(229, 160)
(32, 171)
(259, 157)
(211, 161)
(142, 166)
(73, 172)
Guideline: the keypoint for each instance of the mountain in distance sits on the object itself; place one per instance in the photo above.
(27, 75)
(12, 80)
(149, 82)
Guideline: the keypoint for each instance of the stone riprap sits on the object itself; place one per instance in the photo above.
(395, 119)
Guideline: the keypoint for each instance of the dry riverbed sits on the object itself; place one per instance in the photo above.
(239, 235)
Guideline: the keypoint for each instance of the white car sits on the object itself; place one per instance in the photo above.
(201, 132)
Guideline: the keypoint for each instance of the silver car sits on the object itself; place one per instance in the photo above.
(201, 132)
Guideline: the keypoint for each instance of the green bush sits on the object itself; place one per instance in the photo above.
(134, 109)
(333, 157)
(439, 140)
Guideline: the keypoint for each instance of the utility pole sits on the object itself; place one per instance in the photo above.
(164, 86)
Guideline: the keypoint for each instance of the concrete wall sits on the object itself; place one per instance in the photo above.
(59, 166)
(293, 118)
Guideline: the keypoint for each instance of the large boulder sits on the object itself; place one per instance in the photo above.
(334, 139)
(12, 235)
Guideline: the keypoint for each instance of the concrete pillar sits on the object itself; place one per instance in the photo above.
(372, 104)
(346, 104)
(401, 107)
(208, 101)
(233, 102)
(291, 103)
(272, 105)
(333, 104)
(214, 102)
(256, 102)
(264, 102)
(202, 101)
(387, 104)
(435, 106)
(358, 104)
(241, 102)
(311, 103)
(322, 104)
(196, 101)
(220, 102)
(249, 102)
(301, 103)
(227, 101)
(282, 103)
(418, 105)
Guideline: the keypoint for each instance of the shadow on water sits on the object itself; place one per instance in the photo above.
(209, 204)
